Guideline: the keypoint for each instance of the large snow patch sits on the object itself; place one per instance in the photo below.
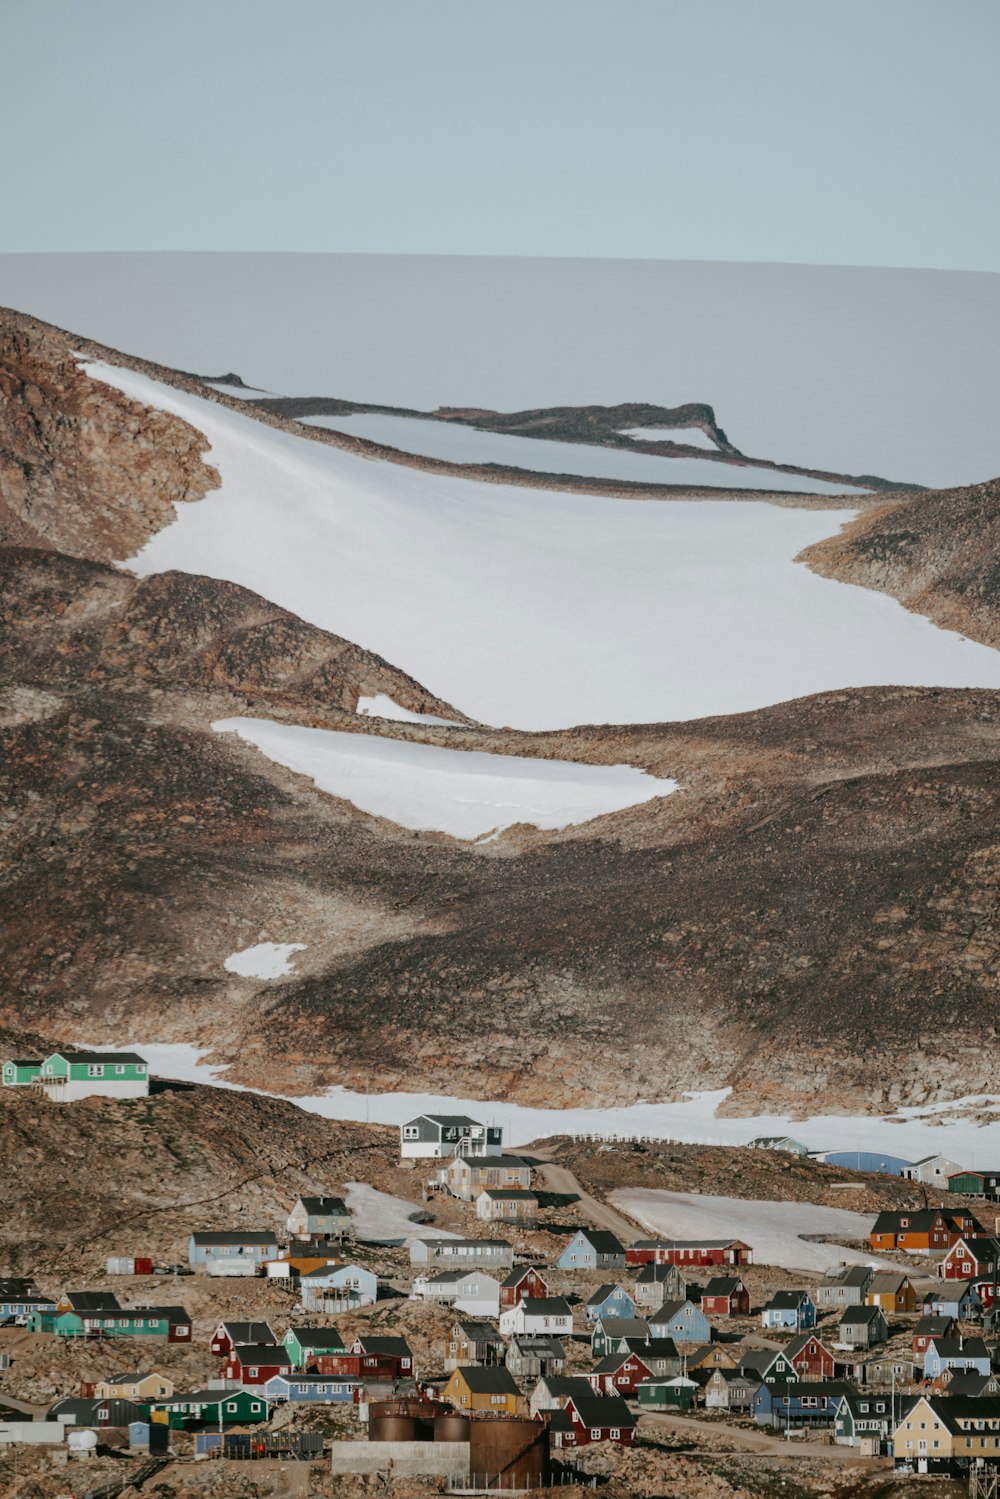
(462, 792)
(774, 1230)
(456, 443)
(535, 608)
(265, 960)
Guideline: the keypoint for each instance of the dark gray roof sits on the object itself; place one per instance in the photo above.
(519, 1272)
(259, 1236)
(318, 1337)
(723, 1285)
(603, 1292)
(389, 1347)
(93, 1301)
(248, 1333)
(448, 1119)
(543, 1343)
(603, 1411)
(602, 1240)
(787, 1301)
(266, 1354)
(480, 1332)
(316, 1206)
(492, 1379)
(546, 1306)
(623, 1327)
(860, 1314)
(99, 1056)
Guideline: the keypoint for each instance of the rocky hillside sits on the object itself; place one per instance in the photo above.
(936, 552)
(829, 872)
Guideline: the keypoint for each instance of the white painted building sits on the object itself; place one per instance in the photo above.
(470, 1291)
(932, 1169)
(538, 1314)
(67, 1076)
(437, 1136)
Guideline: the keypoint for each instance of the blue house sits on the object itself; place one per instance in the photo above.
(310, 1389)
(338, 1288)
(593, 1249)
(609, 1300)
(967, 1355)
(956, 1298)
(226, 1246)
(681, 1320)
(801, 1403)
(18, 1298)
(795, 1309)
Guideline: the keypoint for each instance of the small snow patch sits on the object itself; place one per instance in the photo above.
(266, 960)
(382, 706)
(692, 437)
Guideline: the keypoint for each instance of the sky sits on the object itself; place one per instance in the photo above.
(843, 132)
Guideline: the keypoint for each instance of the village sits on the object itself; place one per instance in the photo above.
(490, 1332)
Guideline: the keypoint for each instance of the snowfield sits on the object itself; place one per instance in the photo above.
(457, 443)
(910, 1132)
(383, 706)
(538, 609)
(380, 1216)
(267, 960)
(465, 793)
(693, 436)
(773, 1230)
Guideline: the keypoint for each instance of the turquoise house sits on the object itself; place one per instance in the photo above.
(20, 1074)
(303, 1344)
(208, 1407)
(67, 1076)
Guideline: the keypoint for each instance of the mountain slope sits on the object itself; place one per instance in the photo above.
(938, 553)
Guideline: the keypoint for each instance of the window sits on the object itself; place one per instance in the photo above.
(119, 1070)
(614, 1433)
(95, 1069)
(231, 1405)
(140, 1068)
(252, 1373)
(595, 1434)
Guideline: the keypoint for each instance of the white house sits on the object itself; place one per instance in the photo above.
(338, 1288)
(470, 1291)
(932, 1169)
(537, 1314)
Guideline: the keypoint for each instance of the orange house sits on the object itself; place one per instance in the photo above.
(923, 1231)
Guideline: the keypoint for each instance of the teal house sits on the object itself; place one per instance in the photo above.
(667, 1394)
(148, 1322)
(20, 1074)
(67, 1076)
(303, 1344)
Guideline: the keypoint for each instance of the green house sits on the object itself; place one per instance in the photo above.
(303, 1344)
(67, 1076)
(666, 1394)
(105, 1324)
(204, 1407)
(19, 1074)
(975, 1183)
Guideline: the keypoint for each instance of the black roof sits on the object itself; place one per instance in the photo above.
(489, 1380)
(99, 1056)
(235, 1236)
(318, 1337)
(315, 1206)
(602, 1411)
(603, 1240)
(518, 1273)
(248, 1332)
(267, 1354)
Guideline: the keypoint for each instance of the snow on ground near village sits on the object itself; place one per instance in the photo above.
(911, 1132)
(693, 436)
(538, 609)
(773, 1229)
(457, 443)
(465, 793)
(379, 1215)
(383, 706)
(266, 960)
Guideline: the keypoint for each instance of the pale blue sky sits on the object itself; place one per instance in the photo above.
(832, 131)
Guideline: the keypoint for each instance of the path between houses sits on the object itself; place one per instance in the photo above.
(744, 1441)
(36, 1412)
(556, 1178)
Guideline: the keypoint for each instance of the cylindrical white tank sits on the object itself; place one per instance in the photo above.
(81, 1441)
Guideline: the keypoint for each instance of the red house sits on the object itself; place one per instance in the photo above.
(686, 1253)
(230, 1335)
(929, 1328)
(619, 1374)
(725, 1296)
(810, 1358)
(522, 1284)
(968, 1259)
(592, 1418)
(256, 1364)
(368, 1358)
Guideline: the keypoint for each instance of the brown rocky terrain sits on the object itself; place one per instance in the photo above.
(821, 895)
(936, 552)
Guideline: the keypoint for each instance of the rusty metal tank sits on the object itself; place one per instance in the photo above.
(393, 1429)
(452, 1428)
(509, 1453)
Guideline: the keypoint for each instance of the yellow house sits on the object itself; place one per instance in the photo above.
(152, 1386)
(484, 1389)
(892, 1291)
(711, 1356)
(942, 1428)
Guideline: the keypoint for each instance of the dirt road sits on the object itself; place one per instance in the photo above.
(767, 1443)
(554, 1178)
